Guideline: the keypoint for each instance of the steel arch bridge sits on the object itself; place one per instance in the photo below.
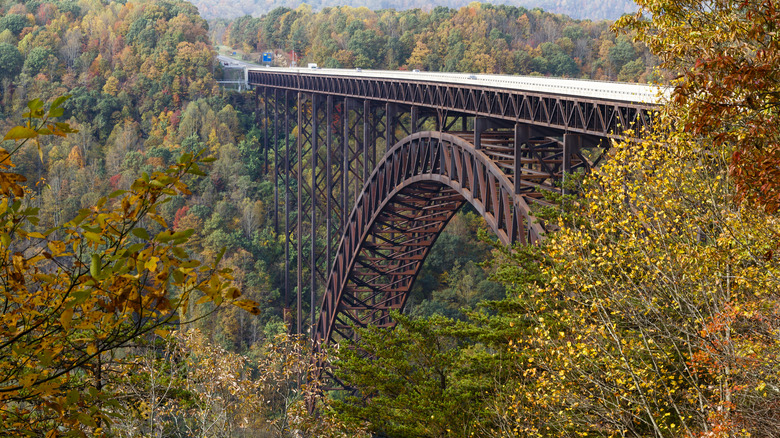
(369, 167)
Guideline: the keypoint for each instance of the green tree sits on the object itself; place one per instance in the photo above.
(14, 22)
(621, 53)
(415, 381)
(631, 71)
(37, 60)
(11, 61)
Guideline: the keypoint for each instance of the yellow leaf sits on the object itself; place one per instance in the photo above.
(248, 305)
(27, 380)
(95, 237)
(66, 317)
(151, 264)
(20, 133)
(94, 268)
(161, 333)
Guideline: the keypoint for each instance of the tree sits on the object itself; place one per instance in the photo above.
(11, 61)
(71, 47)
(726, 54)
(621, 53)
(415, 381)
(668, 289)
(14, 22)
(631, 71)
(37, 60)
(75, 295)
(187, 386)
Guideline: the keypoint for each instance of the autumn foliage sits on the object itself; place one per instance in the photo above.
(726, 54)
(75, 295)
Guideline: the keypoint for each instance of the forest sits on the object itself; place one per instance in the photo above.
(142, 279)
(606, 10)
(476, 39)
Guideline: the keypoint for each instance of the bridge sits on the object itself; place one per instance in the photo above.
(370, 166)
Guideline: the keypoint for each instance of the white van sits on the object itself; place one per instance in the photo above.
(312, 65)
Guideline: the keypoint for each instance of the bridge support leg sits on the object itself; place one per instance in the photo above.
(299, 215)
(571, 145)
(329, 183)
(266, 131)
(356, 137)
(276, 160)
(480, 125)
(345, 161)
(522, 135)
(313, 235)
(366, 139)
(287, 242)
(391, 123)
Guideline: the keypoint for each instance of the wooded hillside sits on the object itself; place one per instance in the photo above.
(606, 10)
(479, 38)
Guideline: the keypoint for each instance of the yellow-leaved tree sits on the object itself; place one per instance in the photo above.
(74, 296)
(657, 311)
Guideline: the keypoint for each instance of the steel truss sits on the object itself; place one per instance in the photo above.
(367, 185)
(590, 116)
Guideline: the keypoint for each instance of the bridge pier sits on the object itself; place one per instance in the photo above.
(335, 151)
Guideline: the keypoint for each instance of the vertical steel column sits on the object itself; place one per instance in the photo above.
(345, 164)
(261, 118)
(300, 216)
(313, 256)
(276, 160)
(329, 189)
(287, 199)
(366, 139)
(522, 135)
(571, 145)
(378, 132)
(391, 122)
(480, 126)
(355, 150)
(266, 132)
(415, 115)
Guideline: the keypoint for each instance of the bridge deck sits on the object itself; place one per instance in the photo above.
(601, 109)
(603, 90)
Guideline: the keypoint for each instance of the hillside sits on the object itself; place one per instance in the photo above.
(579, 9)
(478, 38)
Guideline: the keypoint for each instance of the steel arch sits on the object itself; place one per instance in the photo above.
(407, 201)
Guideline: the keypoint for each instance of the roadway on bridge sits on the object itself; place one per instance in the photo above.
(230, 62)
(619, 91)
(600, 90)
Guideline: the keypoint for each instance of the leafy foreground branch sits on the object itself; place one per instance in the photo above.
(74, 296)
